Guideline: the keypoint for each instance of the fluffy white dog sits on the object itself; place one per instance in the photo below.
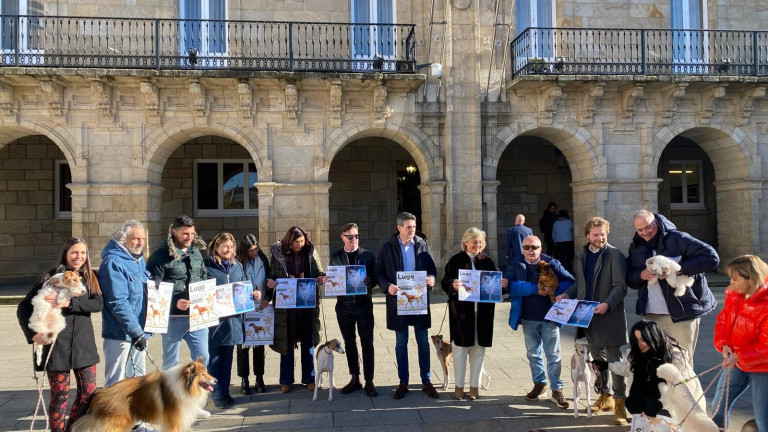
(677, 398)
(47, 319)
(660, 266)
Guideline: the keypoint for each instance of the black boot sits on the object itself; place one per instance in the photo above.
(260, 387)
(245, 388)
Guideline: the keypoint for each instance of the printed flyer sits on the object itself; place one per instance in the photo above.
(336, 285)
(243, 293)
(480, 286)
(412, 298)
(224, 305)
(202, 296)
(295, 293)
(577, 313)
(260, 327)
(158, 307)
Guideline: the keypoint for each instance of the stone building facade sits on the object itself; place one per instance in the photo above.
(84, 148)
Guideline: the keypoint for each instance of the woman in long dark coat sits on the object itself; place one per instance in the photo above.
(75, 347)
(471, 323)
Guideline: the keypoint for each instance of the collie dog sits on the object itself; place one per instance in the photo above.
(170, 398)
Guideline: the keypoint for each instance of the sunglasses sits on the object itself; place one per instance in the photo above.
(529, 247)
(350, 237)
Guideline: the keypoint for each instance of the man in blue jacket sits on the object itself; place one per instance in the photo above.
(407, 252)
(679, 317)
(123, 279)
(529, 306)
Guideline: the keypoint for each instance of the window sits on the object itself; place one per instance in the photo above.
(62, 194)
(25, 32)
(369, 40)
(689, 43)
(225, 187)
(686, 190)
(204, 28)
(536, 13)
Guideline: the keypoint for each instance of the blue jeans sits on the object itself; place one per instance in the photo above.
(401, 354)
(307, 362)
(546, 334)
(739, 382)
(178, 329)
(220, 366)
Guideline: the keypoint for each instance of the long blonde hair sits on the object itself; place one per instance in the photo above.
(749, 267)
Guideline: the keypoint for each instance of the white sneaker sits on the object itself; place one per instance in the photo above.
(202, 414)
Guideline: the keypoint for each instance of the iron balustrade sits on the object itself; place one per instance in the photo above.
(604, 51)
(87, 42)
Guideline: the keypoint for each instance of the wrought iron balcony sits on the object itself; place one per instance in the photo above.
(585, 51)
(83, 42)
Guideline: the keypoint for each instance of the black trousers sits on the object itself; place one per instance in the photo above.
(358, 311)
(564, 254)
(243, 368)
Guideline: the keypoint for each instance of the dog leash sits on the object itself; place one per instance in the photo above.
(704, 392)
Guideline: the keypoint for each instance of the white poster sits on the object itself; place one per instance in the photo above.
(480, 286)
(573, 312)
(412, 297)
(243, 292)
(295, 293)
(201, 299)
(158, 307)
(225, 304)
(260, 327)
(336, 285)
(641, 423)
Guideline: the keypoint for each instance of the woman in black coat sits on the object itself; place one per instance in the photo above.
(75, 347)
(471, 323)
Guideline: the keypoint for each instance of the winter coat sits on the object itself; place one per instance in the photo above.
(229, 331)
(388, 263)
(249, 267)
(366, 258)
(609, 285)
(278, 269)
(697, 258)
(123, 281)
(743, 326)
(524, 281)
(75, 346)
(166, 265)
(515, 237)
(461, 314)
(562, 230)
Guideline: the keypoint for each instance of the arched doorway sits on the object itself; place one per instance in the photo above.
(372, 180)
(532, 172)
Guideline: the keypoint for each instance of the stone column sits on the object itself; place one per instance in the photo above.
(267, 236)
(432, 209)
(490, 221)
(99, 209)
(301, 204)
(738, 232)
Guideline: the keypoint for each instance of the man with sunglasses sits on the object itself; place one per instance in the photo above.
(529, 306)
(356, 309)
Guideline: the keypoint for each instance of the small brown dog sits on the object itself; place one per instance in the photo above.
(547, 280)
(444, 355)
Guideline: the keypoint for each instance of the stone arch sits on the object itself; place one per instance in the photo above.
(414, 140)
(159, 145)
(581, 150)
(60, 137)
(732, 152)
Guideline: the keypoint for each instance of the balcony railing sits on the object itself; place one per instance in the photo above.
(586, 51)
(82, 42)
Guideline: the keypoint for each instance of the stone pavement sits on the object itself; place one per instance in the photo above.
(502, 408)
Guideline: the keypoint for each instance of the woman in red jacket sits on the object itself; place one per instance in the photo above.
(741, 335)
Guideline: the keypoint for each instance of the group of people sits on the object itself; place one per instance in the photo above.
(667, 333)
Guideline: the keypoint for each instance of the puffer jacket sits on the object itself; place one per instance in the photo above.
(278, 269)
(524, 279)
(697, 258)
(123, 281)
(229, 332)
(743, 326)
(167, 265)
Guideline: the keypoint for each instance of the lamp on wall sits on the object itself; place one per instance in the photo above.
(410, 169)
(436, 69)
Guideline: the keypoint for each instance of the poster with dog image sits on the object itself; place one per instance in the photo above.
(480, 286)
(295, 293)
(412, 297)
(260, 327)
(243, 293)
(573, 312)
(336, 285)
(224, 305)
(158, 310)
(202, 296)
(642, 423)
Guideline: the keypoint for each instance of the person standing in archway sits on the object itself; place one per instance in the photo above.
(515, 237)
(546, 223)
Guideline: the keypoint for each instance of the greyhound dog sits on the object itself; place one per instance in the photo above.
(580, 374)
(324, 363)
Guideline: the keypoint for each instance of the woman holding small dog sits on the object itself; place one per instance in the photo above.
(471, 323)
(222, 265)
(75, 347)
(741, 335)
